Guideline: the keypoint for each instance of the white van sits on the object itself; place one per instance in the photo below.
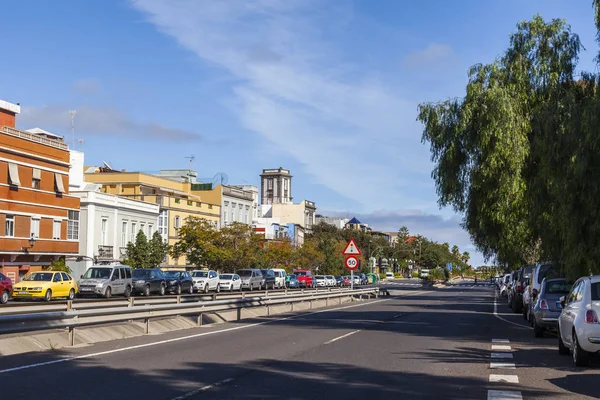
(280, 275)
(389, 275)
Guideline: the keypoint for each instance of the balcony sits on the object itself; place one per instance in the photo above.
(123, 252)
(58, 143)
(105, 252)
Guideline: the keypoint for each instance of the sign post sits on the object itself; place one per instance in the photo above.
(351, 252)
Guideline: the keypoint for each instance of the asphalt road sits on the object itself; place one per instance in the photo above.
(428, 344)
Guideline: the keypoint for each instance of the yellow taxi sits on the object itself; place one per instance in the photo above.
(46, 285)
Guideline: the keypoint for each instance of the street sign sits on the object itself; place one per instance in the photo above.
(352, 249)
(351, 263)
(449, 266)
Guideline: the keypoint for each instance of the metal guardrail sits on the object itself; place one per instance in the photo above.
(95, 316)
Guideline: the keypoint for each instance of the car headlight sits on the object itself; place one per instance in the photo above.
(36, 288)
(99, 285)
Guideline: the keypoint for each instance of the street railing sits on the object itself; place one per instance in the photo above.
(73, 318)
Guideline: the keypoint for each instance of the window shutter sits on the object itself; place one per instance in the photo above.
(13, 174)
(37, 174)
(59, 183)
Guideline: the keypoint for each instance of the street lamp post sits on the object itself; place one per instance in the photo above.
(31, 244)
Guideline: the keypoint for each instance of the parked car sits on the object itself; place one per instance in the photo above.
(305, 278)
(148, 280)
(356, 280)
(547, 307)
(6, 289)
(424, 273)
(389, 275)
(509, 288)
(251, 278)
(340, 281)
(268, 279)
(280, 277)
(523, 278)
(205, 280)
(179, 281)
(230, 282)
(542, 270)
(320, 280)
(504, 285)
(106, 280)
(578, 323)
(292, 281)
(46, 285)
(330, 280)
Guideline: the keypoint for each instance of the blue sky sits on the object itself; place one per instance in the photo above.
(328, 89)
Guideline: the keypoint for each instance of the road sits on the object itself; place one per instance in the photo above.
(427, 344)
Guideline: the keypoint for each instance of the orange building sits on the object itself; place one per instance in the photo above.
(39, 220)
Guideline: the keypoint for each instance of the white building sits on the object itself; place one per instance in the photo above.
(237, 205)
(276, 186)
(107, 223)
(302, 214)
(338, 222)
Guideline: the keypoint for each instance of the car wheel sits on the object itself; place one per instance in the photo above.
(538, 331)
(163, 290)
(191, 290)
(71, 294)
(178, 290)
(4, 297)
(147, 291)
(524, 312)
(218, 288)
(205, 290)
(251, 287)
(127, 292)
(48, 295)
(107, 293)
(581, 358)
(231, 288)
(562, 349)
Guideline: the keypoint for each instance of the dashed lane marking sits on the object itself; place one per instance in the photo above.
(504, 378)
(502, 355)
(502, 365)
(202, 389)
(500, 347)
(341, 337)
(504, 395)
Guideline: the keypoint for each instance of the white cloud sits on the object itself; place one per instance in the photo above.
(293, 89)
(98, 121)
(434, 53)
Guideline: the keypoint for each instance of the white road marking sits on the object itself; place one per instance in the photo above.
(500, 341)
(202, 389)
(140, 346)
(500, 347)
(504, 395)
(341, 337)
(502, 355)
(504, 378)
(502, 365)
(503, 319)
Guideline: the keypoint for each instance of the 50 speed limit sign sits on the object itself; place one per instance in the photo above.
(351, 263)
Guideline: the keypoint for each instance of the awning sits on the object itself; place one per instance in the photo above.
(13, 174)
(59, 183)
(37, 174)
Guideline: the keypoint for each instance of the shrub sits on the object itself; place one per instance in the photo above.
(398, 276)
(415, 274)
(382, 276)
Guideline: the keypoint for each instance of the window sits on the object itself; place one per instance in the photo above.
(150, 230)
(57, 277)
(177, 222)
(269, 183)
(190, 203)
(163, 221)
(233, 212)
(210, 206)
(124, 234)
(65, 277)
(36, 179)
(177, 201)
(198, 204)
(58, 183)
(104, 228)
(56, 229)
(225, 216)
(143, 229)
(73, 225)
(35, 227)
(133, 231)
(13, 174)
(10, 226)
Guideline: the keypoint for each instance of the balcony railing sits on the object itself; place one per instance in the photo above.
(105, 252)
(58, 143)
(239, 193)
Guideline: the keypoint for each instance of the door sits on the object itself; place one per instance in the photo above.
(58, 286)
(568, 314)
(5, 283)
(116, 283)
(68, 281)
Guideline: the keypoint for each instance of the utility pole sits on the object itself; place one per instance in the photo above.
(72, 114)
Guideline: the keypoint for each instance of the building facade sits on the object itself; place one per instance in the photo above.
(276, 186)
(107, 224)
(176, 200)
(338, 222)
(39, 218)
(303, 213)
(237, 205)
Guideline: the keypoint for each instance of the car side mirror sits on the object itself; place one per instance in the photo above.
(115, 277)
(562, 301)
(81, 276)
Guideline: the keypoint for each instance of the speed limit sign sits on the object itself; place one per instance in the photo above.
(351, 263)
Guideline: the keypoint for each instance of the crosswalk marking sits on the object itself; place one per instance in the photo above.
(500, 347)
(500, 341)
(504, 395)
(502, 365)
(502, 355)
(504, 378)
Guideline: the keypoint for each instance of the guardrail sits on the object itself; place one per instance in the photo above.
(95, 316)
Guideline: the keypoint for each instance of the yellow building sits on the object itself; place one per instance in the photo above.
(176, 199)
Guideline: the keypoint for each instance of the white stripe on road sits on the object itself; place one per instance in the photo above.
(502, 355)
(500, 347)
(500, 341)
(502, 365)
(202, 389)
(503, 319)
(504, 395)
(504, 378)
(341, 337)
(141, 346)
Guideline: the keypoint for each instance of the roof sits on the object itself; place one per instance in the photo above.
(13, 108)
(40, 131)
(354, 221)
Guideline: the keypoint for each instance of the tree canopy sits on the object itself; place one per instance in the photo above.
(518, 154)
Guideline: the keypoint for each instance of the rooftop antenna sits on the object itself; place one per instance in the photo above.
(191, 158)
(72, 114)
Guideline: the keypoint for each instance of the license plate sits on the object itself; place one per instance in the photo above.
(84, 289)
(558, 305)
(23, 292)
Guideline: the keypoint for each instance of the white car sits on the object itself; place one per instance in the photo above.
(578, 324)
(356, 280)
(230, 282)
(280, 275)
(205, 280)
(331, 280)
(320, 280)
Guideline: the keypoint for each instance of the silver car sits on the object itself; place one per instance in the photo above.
(106, 280)
(547, 306)
(251, 278)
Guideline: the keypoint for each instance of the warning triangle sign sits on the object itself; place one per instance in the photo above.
(352, 249)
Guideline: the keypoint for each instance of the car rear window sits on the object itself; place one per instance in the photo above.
(596, 291)
(558, 287)
(548, 271)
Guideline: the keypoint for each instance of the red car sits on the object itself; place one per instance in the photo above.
(6, 289)
(305, 278)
